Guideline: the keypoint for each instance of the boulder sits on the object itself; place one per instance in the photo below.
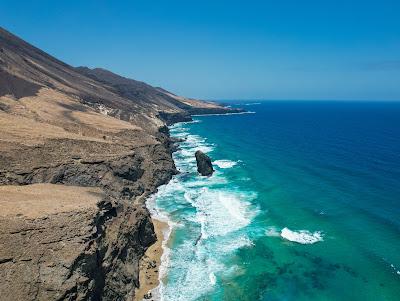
(204, 166)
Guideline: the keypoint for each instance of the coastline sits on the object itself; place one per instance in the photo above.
(209, 210)
(118, 141)
(150, 263)
(222, 114)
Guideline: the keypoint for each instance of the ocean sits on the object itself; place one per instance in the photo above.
(304, 204)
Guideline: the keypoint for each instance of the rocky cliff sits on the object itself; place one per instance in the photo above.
(80, 150)
(89, 253)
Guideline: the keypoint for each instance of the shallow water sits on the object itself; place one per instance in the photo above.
(304, 205)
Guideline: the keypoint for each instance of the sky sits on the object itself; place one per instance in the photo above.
(287, 49)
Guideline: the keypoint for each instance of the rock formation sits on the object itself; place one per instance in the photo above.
(204, 166)
(80, 150)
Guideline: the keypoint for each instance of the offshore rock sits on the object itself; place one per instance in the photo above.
(204, 166)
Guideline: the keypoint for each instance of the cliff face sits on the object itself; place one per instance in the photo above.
(80, 150)
(83, 253)
(78, 253)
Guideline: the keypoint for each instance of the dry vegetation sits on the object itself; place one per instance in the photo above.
(38, 200)
(51, 114)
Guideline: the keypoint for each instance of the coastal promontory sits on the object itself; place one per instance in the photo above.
(80, 151)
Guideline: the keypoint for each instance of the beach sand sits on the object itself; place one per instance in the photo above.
(150, 264)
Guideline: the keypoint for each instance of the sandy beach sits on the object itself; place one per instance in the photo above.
(150, 263)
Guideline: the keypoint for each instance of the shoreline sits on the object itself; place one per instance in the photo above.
(150, 263)
(151, 267)
(222, 114)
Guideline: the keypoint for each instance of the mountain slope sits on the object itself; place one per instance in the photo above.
(158, 99)
(24, 69)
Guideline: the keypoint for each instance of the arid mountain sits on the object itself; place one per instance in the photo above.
(165, 102)
(26, 69)
(138, 92)
(80, 150)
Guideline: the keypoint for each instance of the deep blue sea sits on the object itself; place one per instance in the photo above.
(304, 205)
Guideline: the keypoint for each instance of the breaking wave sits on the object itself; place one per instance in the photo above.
(302, 237)
(207, 218)
(225, 163)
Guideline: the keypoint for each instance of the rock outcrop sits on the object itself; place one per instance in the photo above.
(204, 165)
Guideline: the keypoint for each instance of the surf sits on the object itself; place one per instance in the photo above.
(304, 237)
(207, 216)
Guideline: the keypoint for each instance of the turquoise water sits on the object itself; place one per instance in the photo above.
(304, 205)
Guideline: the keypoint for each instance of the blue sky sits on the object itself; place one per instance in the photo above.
(226, 49)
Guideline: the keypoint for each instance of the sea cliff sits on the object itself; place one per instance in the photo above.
(80, 150)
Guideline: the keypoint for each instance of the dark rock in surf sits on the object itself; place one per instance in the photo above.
(204, 166)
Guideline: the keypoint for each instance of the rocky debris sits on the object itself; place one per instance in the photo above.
(174, 143)
(204, 166)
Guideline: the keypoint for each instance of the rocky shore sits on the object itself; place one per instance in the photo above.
(80, 151)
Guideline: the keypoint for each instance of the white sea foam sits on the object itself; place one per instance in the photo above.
(272, 232)
(200, 181)
(395, 269)
(213, 279)
(162, 216)
(225, 211)
(302, 236)
(225, 163)
(239, 242)
(214, 217)
(252, 103)
(224, 114)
